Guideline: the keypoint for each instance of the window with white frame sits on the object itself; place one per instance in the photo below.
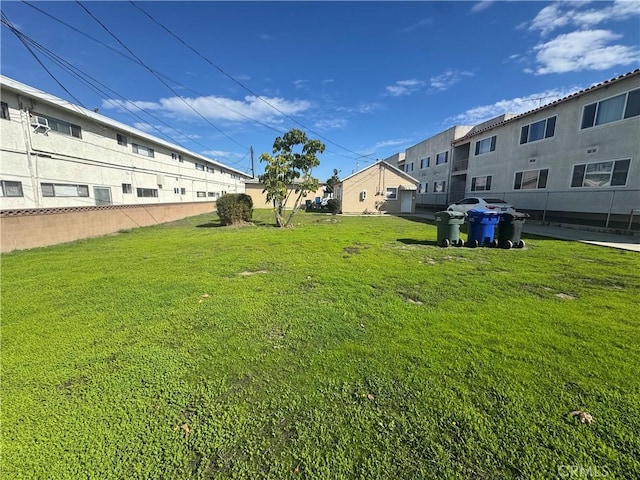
(538, 131)
(201, 194)
(147, 192)
(142, 150)
(424, 163)
(121, 139)
(481, 184)
(486, 145)
(391, 193)
(61, 126)
(127, 188)
(199, 166)
(442, 158)
(210, 169)
(64, 190)
(10, 188)
(439, 186)
(5, 111)
(531, 179)
(601, 174)
(176, 156)
(625, 105)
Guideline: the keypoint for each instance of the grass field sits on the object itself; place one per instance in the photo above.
(346, 347)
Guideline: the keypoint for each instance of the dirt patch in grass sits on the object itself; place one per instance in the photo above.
(565, 296)
(247, 273)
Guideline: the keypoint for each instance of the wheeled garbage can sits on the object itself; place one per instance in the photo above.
(510, 229)
(449, 228)
(482, 224)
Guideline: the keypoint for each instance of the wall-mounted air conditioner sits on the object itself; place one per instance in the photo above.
(40, 124)
(363, 195)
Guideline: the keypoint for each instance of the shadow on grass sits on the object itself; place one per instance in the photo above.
(413, 241)
(217, 224)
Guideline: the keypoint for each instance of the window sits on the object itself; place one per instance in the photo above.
(612, 109)
(481, 184)
(64, 190)
(122, 140)
(201, 194)
(424, 163)
(176, 190)
(537, 131)
(486, 145)
(183, 191)
(142, 150)
(63, 127)
(210, 169)
(5, 112)
(126, 188)
(177, 156)
(199, 166)
(442, 158)
(408, 167)
(531, 179)
(211, 194)
(419, 188)
(601, 174)
(10, 189)
(439, 186)
(147, 192)
(391, 193)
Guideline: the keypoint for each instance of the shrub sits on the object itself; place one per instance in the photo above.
(333, 205)
(234, 208)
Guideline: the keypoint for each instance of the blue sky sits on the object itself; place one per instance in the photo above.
(369, 79)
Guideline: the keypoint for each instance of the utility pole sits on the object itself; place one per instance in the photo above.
(252, 171)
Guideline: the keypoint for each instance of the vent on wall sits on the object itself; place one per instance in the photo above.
(532, 160)
(363, 195)
(592, 150)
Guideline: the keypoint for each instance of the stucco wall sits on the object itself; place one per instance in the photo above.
(254, 190)
(22, 229)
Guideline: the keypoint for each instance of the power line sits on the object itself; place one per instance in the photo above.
(242, 85)
(158, 77)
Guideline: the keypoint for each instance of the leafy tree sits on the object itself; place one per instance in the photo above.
(288, 172)
(331, 182)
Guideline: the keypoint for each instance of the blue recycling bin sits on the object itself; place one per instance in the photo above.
(482, 225)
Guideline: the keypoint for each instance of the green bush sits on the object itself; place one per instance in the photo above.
(333, 205)
(234, 208)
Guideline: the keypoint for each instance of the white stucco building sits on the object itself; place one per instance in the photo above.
(56, 154)
(573, 160)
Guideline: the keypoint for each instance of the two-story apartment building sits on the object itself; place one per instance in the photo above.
(573, 160)
(56, 154)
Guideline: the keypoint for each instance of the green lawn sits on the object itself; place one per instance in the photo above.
(346, 347)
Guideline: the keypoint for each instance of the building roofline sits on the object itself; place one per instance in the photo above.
(388, 165)
(519, 116)
(6, 82)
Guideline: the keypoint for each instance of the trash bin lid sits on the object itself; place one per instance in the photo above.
(515, 216)
(481, 212)
(448, 214)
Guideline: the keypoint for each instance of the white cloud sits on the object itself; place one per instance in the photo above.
(564, 14)
(583, 50)
(219, 108)
(391, 143)
(482, 5)
(404, 87)
(331, 123)
(419, 24)
(447, 79)
(300, 83)
(516, 105)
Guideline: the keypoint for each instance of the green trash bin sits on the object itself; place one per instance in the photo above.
(449, 228)
(510, 229)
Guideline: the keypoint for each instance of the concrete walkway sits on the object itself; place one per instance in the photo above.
(574, 233)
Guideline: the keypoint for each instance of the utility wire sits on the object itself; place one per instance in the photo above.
(131, 59)
(241, 84)
(6, 22)
(159, 78)
(83, 77)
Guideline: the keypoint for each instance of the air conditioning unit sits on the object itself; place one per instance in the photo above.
(40, 124)
(363, 195)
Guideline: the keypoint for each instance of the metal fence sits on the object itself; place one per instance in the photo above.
(608, 208)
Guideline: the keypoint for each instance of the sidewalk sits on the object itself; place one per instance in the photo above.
(574, 233)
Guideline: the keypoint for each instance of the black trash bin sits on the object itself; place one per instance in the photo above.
(510, 229)
(449, 228)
